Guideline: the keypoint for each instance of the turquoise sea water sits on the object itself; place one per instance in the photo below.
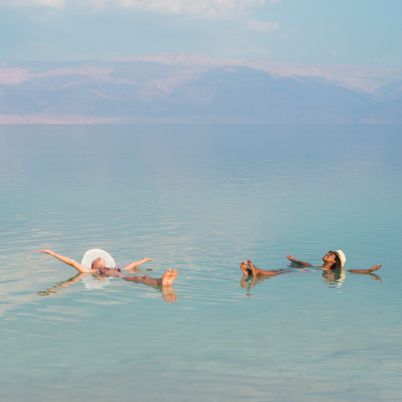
(201, 199)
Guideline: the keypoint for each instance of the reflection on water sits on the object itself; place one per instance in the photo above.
(97, 282)
(59, 286)
(336, 278)
(200, 199)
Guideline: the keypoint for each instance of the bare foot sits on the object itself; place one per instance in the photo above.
(251, 268)
(168, 277)
(244, 269)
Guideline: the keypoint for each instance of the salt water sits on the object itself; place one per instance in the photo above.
(200, 199)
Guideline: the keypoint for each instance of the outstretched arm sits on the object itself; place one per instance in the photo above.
(69, 261)
(294, 261)
(365, 271)
(135, 264)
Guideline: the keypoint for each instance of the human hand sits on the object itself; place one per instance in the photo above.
(46, 251)
(375, 267)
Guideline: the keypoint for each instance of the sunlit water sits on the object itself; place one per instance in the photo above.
(201, 199)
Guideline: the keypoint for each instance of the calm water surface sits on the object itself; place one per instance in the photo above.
(200, 199)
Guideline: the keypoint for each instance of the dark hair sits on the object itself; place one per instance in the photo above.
(338, 264)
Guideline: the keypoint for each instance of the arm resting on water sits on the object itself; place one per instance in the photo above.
(365, 271)
(294, 261)
(135, 264)
(69, 261)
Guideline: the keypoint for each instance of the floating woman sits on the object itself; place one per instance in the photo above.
(333, 260)
(98, 267)
(333, 268)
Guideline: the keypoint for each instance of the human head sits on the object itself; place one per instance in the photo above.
(98, 263)
(335, 257)
(341, 257)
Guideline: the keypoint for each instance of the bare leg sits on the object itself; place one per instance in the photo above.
(166, 279)
(263, 272)
(146, 280)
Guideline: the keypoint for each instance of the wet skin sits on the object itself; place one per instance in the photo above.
(99, 269)
(252, 274)
(249, 269)
(330, 262)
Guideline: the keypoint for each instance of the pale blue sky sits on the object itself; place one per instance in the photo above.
(361, 32)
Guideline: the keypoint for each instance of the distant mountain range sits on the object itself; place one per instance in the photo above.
(152, 91)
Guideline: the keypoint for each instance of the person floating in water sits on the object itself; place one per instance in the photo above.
(98, 267)
(334, 260)
(333, 268)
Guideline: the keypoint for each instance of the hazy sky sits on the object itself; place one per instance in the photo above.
(364, 32)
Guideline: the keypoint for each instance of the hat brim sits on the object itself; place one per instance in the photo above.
(95, 253)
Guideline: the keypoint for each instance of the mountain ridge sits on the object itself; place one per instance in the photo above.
(150, 91)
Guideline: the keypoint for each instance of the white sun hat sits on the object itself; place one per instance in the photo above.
(91, 282)
(95, 253)
(341, 255)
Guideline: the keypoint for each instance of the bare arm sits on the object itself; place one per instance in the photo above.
(69, 261)
(365, 271)
(135, 264)
(294, 261)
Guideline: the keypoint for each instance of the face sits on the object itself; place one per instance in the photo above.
(330, 257)
(98, 263)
